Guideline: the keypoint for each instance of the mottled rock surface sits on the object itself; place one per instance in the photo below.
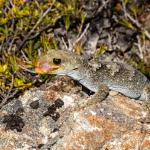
(49, 118)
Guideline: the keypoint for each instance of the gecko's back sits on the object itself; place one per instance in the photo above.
(118, 77)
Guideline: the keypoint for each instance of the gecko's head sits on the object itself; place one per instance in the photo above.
(57, 62)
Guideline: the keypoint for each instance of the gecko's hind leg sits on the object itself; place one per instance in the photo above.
(99, 96)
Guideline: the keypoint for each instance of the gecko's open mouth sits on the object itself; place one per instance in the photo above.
(75, 68)
(45, 67)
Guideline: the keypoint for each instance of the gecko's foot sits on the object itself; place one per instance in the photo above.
(96, 98)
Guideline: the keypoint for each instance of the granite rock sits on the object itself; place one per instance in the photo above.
(117, 123)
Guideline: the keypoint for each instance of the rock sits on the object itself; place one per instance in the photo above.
(34, 105)
(116, 123)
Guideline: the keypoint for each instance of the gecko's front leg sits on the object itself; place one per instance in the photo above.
(99, 96)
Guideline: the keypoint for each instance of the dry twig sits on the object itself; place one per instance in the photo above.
(9, 94)
(35, 26)
(134, 21)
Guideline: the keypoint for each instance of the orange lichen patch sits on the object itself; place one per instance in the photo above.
(129, 140)
(96, 121)
(94, 131)
(50, 95)
(134, 140)
(146, 141)
(44, 67)
(103, 124)
(128, 107)
(88, 140)
(104, 133)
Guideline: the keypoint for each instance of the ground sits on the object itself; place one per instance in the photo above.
(49, 118)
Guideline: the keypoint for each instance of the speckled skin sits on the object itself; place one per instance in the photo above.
(117, 76)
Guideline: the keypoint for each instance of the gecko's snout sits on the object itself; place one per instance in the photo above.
(45, 68)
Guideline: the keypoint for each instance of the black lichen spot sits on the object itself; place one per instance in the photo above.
(52, 112)
(59, 103)
(55, 116)
(13, 122)
(52, 109)
(34, 104)
(55, 130)
(40, 146)
(20, 111)
(46, 114)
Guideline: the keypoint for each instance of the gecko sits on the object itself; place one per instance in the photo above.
(116, 76)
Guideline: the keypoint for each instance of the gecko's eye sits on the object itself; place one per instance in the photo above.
(57, 61)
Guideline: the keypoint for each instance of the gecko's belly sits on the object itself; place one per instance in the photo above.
(122, 89)
(89, 85)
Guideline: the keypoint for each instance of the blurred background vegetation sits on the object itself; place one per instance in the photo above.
(28, 28)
